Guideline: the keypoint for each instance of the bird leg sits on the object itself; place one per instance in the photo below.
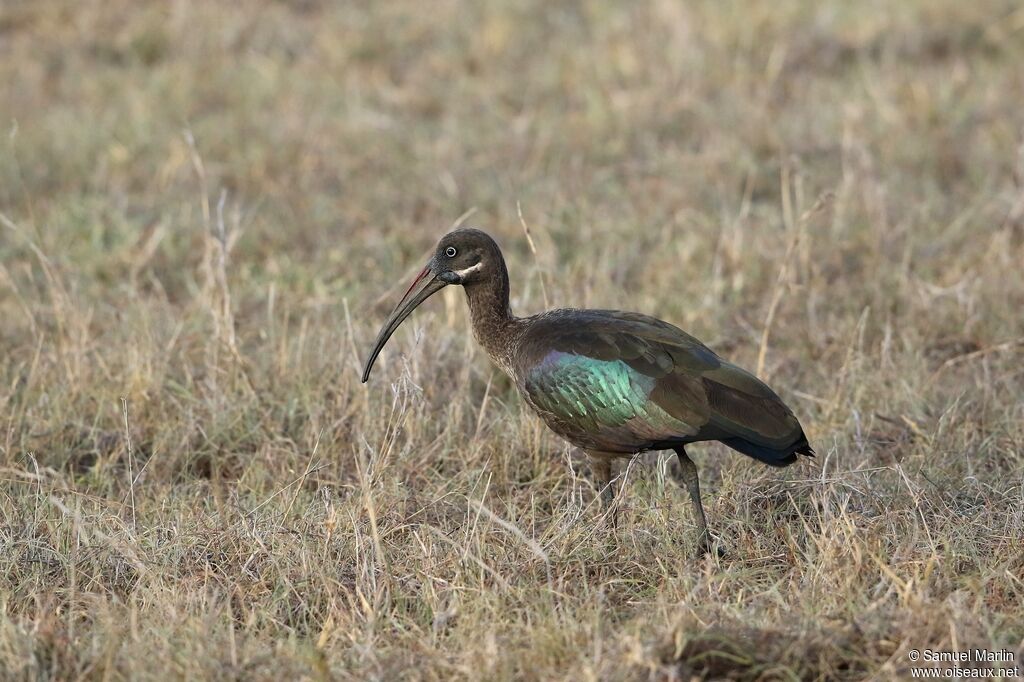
(687, 477)
(601, 466)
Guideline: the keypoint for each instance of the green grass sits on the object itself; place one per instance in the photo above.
(208, 209)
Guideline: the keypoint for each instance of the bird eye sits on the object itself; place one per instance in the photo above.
(450, 252)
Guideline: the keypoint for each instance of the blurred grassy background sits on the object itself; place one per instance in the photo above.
(207, 209)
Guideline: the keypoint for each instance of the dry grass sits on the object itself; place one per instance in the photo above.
(208, 209)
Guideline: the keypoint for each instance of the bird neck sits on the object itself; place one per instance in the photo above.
(491, 315)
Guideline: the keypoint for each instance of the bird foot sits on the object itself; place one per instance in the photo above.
(706, 546)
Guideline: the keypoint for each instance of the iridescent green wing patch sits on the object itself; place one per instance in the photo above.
(609, 398)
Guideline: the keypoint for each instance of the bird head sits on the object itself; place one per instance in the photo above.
(464, 256)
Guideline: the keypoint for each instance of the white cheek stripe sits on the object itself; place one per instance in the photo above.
(470, 270)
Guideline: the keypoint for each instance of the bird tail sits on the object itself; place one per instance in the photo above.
(772, 456)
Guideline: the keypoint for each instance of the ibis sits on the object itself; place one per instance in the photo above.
(609, 382)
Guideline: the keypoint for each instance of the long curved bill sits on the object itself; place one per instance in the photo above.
(423, 287)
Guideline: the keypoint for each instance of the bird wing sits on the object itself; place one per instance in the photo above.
(627, 382)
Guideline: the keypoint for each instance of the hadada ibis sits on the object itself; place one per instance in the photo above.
(612, 383)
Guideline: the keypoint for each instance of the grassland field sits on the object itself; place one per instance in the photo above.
(208, 208)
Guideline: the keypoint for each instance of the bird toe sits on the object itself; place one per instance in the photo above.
(706, 546)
